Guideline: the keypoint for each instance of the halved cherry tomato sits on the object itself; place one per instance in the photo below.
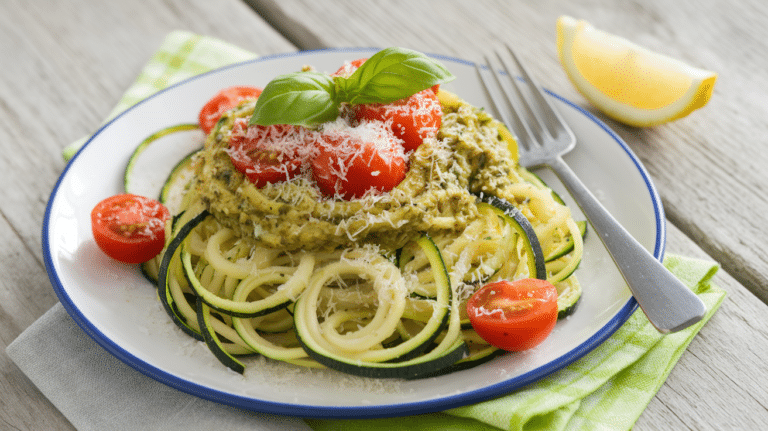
(223, 101)
(129, 228)
(352, 161)
(515, 315)
(412, 119)
(267, 154)
(349, 68)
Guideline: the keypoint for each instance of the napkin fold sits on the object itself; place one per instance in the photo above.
(96, 391)
(605, 390)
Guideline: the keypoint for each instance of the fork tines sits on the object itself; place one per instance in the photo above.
(520, 103)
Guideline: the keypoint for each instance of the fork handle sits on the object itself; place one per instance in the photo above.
(669, 305)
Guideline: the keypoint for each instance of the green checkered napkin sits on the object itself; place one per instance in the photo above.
(605, 390)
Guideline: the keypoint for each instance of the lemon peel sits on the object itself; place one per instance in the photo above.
(627, 82)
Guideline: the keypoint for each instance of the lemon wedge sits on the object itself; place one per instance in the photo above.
(627, 82)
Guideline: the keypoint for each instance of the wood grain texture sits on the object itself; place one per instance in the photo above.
(708, 167)
(72, 60)
(85, 68)
(719, 383)
(66, 65)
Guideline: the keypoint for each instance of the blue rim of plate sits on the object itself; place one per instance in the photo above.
(344, 412)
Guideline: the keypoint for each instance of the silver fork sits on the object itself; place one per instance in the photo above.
(544, 138)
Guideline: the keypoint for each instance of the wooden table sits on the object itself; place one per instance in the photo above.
(66, 63)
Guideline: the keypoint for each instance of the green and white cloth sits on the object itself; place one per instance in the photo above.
(607, 389)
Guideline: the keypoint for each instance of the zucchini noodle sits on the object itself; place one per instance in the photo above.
(381, 286)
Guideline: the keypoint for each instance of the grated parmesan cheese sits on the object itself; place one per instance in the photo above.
(466, 156)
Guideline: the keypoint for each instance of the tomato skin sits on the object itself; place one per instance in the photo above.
(263, 153)
(349, 68)
(129, 228)
(223, 101)
(515, 315)
(413, 119)
(349, 164)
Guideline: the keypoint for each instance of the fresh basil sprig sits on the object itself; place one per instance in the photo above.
(300, 98)
(309, 98)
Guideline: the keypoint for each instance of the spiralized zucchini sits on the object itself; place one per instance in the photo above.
(366, 308)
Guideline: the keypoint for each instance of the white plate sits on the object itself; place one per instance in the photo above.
(119, 309)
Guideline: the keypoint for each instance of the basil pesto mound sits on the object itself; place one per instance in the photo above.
(470, 155)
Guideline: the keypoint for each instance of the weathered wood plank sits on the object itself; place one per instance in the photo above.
(73, 60)
(707, 167)
(25, 294)
(66, 65)
(692, 161)
(716, 384)
(61, 68)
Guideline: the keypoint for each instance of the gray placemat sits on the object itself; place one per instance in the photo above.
(97, 391)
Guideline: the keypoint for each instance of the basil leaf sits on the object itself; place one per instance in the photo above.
(392, 74)
(310, 98)
(300, 99)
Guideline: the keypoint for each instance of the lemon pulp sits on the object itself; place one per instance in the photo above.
(627, 82)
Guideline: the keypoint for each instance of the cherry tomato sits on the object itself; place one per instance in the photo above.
(515, 315)
(349, 68)
(352, 161)
(129, 228)
(223, 101)
(412, 119)
(266, 154)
